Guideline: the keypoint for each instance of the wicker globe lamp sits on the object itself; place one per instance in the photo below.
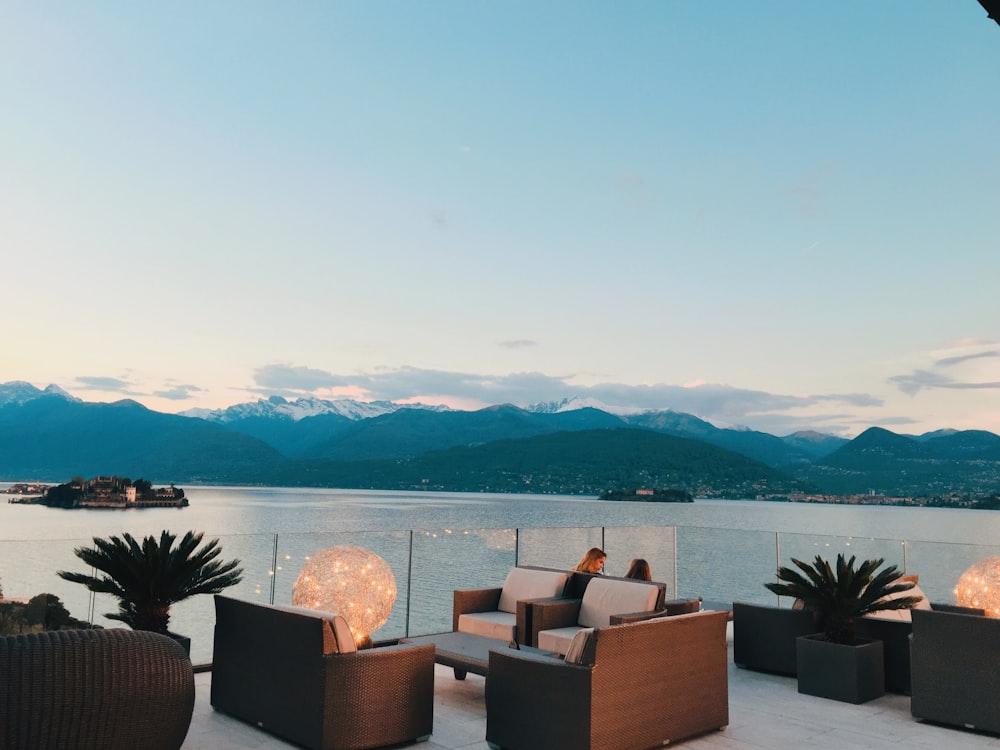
(349, 581)
(979, 586)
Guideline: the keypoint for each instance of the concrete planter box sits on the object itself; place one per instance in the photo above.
(848, 673)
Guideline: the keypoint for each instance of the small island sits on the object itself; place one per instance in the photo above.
(645, 495)
(108, 492)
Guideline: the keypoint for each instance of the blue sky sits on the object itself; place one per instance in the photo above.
(774, 214)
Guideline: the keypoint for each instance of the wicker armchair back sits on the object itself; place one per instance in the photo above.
(114, 689)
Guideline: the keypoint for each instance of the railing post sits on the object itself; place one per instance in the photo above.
(677, 594)
(409, 585)
(517, 547)
(274, 566)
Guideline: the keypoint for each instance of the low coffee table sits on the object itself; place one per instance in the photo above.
(464, 652)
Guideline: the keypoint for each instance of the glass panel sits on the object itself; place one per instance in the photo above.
(654, 544)
(724, 565)
(940, 565)
(446, 560)
(560, 548)
(28, 568)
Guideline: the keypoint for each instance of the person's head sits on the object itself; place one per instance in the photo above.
(639, 569)
(593, 561)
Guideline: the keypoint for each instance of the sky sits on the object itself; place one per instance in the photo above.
(777, 215)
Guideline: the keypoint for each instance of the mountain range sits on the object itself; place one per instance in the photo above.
(569, 447)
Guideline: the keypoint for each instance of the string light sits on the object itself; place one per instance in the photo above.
(979, 586)
(349, 581)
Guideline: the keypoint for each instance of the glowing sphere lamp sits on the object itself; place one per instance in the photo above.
(979, 586)
(349, 581)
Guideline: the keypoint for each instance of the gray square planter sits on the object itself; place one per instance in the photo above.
(852, 674)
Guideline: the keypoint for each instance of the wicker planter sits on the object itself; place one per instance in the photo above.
(848, 673)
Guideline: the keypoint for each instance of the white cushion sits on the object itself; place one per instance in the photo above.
(558, 639)
(489, 624)
(604, 597)
(574, 654)
(524, 583)
(902, 614)
(342, 632)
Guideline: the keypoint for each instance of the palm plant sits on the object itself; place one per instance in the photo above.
(840, 599)
(147, 578)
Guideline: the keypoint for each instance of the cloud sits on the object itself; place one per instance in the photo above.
(518, 344)
(178, 392)
(720, 404)
(294, 379)
(919, 380)
(952, 361)
(100, 383)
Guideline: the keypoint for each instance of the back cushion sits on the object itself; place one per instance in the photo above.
(574, 654)
(342, 632)
(524, 583)
(604, 598)
(902, 614)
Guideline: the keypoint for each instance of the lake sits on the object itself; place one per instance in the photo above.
(435, 542)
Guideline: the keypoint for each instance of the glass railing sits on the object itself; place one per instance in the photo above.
(719, 565)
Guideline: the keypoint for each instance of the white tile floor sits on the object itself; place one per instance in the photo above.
(765, 711)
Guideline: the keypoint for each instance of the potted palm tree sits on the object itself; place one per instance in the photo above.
(835, 663)
(148, 577)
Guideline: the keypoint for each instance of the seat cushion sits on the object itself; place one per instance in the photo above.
(525, 583)
(500, 625)
(605, 597)
(558, 639)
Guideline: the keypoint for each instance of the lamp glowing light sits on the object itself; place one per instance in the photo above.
(979, 586)
(349, 581)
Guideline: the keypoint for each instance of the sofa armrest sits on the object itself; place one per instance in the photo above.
(473, 600)
(671, 608)
(534, 700)
(394, 684)
(547, 614)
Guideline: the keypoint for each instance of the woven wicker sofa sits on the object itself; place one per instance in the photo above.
(603, 601)
(623, 687)
(953, 659)
(113, 689)
(502, 612)
(296, 674)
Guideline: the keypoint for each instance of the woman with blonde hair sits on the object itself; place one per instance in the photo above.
(593, 561)
(639, 569)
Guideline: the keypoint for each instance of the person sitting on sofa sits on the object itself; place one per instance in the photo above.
(639, 569)
(592, 562)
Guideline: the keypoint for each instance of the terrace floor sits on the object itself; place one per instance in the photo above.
(765, 711)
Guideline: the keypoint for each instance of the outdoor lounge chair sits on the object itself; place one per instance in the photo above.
(605, 601)
(622, 687)
(295, 673)
(114, 689)
(953, 662)
(502, 612)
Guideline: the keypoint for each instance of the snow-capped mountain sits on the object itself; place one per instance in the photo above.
(573, 403)
(19, 392)
(277, 407)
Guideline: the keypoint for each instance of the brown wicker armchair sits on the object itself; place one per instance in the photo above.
(286, 672)
(638, 685)
(954, 661)
(113, 689)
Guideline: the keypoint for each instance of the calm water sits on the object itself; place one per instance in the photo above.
(721, 550)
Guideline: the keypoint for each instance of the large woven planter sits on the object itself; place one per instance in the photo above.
(842, 672)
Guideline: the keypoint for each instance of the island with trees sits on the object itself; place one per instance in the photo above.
(109, 492)
(646, 495)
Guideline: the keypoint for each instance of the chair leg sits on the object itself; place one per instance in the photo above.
(460, 673)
